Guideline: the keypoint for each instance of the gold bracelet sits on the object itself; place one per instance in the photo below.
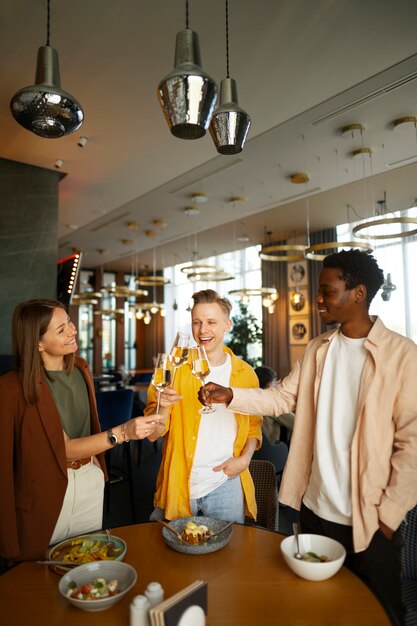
(125, 439)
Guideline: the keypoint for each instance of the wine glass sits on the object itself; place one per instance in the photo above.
(179, 351)
(200, 368)
(162, 375)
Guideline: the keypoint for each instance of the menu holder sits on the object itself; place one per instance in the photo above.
(191, 600)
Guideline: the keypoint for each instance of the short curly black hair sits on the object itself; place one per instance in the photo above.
(357, 268)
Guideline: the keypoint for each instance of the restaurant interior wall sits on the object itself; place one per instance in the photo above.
(28, 238)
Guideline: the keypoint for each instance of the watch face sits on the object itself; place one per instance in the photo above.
(111, 438)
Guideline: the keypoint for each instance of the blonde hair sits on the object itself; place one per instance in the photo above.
(208, 296)
(30, 322)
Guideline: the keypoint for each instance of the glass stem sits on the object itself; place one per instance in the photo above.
(158, 403)
(173, 376)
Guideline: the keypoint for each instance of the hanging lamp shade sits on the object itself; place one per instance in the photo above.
(187, 94)
(44, 108)
(230, 124)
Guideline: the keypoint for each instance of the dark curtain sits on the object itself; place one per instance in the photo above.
(314, 269)
(275, 325)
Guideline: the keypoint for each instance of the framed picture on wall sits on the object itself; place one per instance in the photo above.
(297, 273)
(299, 330)
(301, 306)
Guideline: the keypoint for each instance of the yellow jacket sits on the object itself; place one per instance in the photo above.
(172, 487)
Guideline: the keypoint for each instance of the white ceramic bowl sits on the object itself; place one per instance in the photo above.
(85, 574)
(320, 545)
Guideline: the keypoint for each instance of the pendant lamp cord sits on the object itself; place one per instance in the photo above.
(227, 40)
(186, 15)
(48, 23)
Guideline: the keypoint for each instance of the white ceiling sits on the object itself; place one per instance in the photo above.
(304, 69)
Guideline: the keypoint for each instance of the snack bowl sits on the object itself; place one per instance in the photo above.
(85, 574)
(70, 550)
(205, 547)
(318, 544)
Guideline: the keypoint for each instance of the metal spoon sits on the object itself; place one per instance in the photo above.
(297, 554)
(220, 531)
(110, 544)
(178, 536)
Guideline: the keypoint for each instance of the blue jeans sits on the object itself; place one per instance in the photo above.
(225, 503)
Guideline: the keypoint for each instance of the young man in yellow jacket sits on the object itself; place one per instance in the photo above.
(205, 459)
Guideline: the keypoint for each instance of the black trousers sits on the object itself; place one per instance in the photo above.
(379, 566)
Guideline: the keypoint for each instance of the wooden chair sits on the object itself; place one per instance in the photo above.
(409, 566)
(266, 494)
(115, 408)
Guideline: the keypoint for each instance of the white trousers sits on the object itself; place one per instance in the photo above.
(82, 509)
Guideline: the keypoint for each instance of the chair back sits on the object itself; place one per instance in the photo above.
(266, 494)
(114, 407)
(409, 532)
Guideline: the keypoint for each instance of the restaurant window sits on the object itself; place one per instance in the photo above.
(397, 258)
(108, 303)
(130, 327)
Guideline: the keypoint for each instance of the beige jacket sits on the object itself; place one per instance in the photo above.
(384, 445)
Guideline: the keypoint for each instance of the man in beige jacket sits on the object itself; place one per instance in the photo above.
(352, 466)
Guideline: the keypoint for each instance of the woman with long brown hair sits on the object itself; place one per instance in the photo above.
(52, 469)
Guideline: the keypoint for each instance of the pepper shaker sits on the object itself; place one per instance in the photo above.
(139, 611)
(154, 593)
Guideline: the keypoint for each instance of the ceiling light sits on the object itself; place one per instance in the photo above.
(380, 227)
(59, 163)
(44, 108)
(352, 130)
(152, 280)
(148, 318)
(150, 233)
(133, 225)
(127, 242)
(402, 122)
(230, 124)
(160, 223)
(313, 253)
(361, 151)
(191, 210)
(243, 238)
(187, 94)
(299, 178)
(290, 252)
(237, 199)
(199, 197)
(82, 141)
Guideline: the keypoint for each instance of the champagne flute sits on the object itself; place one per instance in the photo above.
(179, 352)
(200, 368)
(162, 375)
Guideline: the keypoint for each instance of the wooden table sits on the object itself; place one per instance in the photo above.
(249, 584)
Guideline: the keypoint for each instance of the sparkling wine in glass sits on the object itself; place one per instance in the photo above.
(163, 374)
(179, 351)
(201, 369)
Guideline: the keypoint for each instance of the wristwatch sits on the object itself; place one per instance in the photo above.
(112, 438)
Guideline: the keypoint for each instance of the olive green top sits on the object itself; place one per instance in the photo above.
(71, 398)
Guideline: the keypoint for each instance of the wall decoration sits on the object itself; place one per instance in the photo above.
(300, 308)
(299, 330)
(297, 274)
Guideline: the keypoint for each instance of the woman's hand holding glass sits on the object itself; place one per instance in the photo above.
(142, 427)
(200, 368)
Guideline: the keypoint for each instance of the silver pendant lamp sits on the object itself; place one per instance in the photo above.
(230, 124)
(44, 108)
(187, 94)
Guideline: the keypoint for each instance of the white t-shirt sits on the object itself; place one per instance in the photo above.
(328, 492)
(215, 441)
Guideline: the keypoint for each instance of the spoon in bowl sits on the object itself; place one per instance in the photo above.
(297, 555)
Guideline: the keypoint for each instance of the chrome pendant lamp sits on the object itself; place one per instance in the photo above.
(230, 124)
(44, 108)
(187, 94)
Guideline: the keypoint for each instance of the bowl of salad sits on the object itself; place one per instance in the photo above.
(86, 549)
(98, 585)
(321, 557)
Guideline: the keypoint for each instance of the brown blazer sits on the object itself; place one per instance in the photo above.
(33, 468)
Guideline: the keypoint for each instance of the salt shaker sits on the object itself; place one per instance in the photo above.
(154, 593)
(139, 608)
